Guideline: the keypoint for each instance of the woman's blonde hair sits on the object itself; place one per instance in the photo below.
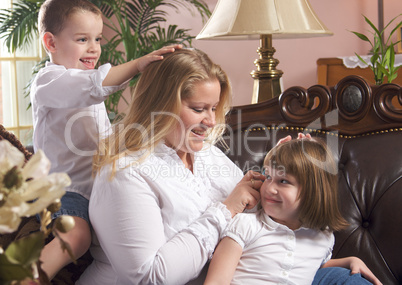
(313, 165)
(156, 105)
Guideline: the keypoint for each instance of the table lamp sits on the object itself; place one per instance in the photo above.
(264, 20)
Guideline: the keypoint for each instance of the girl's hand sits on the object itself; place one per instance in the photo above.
(246, 194)
(358, 266)
(155, 56)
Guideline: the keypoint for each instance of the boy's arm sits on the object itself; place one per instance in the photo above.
(356, 265)
(224, 262)
(125, 71)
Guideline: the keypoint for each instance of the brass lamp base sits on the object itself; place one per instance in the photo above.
(266, 77)
(265, 89)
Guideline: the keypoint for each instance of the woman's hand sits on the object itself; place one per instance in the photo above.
(246, 194)
(289, 137)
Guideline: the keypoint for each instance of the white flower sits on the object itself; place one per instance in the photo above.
(26, 190)
(31, 169)
(10, 155)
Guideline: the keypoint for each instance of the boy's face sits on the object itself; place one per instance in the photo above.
(279, 197)
(78, 44)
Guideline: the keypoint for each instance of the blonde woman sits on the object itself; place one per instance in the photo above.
(163, 194)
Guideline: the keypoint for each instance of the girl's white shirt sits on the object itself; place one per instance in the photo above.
(274, 254)
(156, 222)
(69, 117)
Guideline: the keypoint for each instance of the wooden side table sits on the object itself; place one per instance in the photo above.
(331, 70)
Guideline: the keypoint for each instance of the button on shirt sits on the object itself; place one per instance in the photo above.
(275, 254)
(68, 117)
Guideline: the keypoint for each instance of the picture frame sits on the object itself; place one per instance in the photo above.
(399, 37)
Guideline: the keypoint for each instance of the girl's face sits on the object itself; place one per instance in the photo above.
(197, 115)
(279, 197)
(78, 44)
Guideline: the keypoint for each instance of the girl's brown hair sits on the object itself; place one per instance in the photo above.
(155, 108)
(313, 165)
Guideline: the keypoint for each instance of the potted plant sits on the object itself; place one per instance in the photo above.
(27, 189)
(383, 52)
(135, 25)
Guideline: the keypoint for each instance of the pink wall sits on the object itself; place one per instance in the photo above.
(297, 57)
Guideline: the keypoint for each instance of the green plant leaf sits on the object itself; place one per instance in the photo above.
(362, 37)
(394, 29)
(391, 56)
(383, 53)
(10, 271)
(383, 70)
(377, 32)
(392, 77)
(19, 24)
(373, 59)
(26, 250)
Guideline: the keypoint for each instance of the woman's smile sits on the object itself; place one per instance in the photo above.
(197, 116)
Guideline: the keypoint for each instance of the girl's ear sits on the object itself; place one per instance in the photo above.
(49, 42)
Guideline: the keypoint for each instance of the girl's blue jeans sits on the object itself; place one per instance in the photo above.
(338, 276)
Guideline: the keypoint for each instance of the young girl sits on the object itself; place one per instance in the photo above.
(290, 237)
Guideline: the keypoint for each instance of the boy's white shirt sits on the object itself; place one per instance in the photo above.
(69, 117)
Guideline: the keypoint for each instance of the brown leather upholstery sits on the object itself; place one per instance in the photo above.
(363, 126)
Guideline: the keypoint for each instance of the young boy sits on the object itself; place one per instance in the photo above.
(68, 111)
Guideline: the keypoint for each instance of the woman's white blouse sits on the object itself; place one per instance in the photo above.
(156, 222)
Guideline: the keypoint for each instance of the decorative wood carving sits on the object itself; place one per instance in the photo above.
(352, 107)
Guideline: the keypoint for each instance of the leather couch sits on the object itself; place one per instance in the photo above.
(362, 124)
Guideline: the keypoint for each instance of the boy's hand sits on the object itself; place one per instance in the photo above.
(121, 73)
(155, 56)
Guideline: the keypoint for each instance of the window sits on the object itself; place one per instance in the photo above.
(15, 74)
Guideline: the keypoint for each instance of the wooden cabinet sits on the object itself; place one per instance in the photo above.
(331, 70)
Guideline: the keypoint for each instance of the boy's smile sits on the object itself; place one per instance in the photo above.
(78, 44)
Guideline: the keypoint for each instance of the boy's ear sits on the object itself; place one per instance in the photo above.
(49, 42)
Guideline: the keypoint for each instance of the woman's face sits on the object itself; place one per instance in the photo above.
(197, 115)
